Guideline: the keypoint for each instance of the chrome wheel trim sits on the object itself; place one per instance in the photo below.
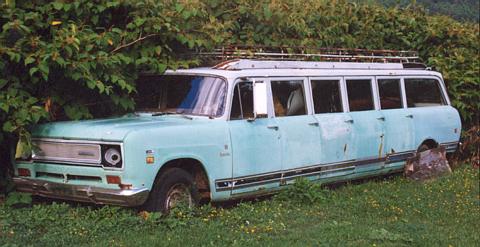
(178, 194)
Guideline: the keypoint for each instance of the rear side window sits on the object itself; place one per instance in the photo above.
(390, 93)
(360, 95)
(242, 102)
(326, 96)
(288, 98)
(423, 92)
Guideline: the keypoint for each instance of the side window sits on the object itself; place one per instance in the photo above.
(242, 102)
(326, 96)
(360, 96)
(390, 93)
(423, 92)
(288, 98)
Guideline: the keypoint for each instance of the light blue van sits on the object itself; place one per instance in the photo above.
(244, 128)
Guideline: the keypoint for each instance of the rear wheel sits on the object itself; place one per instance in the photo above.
(173, 188)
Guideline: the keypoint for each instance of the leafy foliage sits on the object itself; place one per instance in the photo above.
(79, 59)
(304, 191)
(16, 198)
(471, 146)
(462, 10)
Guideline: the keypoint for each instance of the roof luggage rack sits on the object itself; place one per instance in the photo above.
(223, 56)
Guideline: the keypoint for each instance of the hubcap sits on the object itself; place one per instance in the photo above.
(177, 195)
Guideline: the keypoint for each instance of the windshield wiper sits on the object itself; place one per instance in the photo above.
(163, 113)
(187, 117)
(184, 116)
(171, 113)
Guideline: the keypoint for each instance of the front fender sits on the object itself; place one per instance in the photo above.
(207, 143)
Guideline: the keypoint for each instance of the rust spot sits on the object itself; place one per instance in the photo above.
(202, 184)
(222, 64)
(380, 148)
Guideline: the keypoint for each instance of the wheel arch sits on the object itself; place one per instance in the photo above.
(429, 142)
(194, 167)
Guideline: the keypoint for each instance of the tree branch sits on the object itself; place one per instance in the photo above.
(134, 42)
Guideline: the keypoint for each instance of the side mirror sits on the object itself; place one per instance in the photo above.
(260, 99)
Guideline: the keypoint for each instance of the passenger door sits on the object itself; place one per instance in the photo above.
(367, 124)
(335, 127)
(430, 111)
(256, 149)
(299, 129)
(399, 127)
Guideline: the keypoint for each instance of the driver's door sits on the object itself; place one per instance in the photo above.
(256, 146)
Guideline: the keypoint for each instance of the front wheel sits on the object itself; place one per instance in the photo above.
(173, 188)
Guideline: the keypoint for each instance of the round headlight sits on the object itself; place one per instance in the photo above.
(112, 156)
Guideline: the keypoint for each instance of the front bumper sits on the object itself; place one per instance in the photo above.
(84, 193)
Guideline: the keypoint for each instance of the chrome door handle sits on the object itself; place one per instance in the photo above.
(273, 127)
(409, 116)
(349, 121)
(381, 118)
(314, 124)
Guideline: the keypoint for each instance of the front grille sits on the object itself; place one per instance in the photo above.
(84, 178)
(68, 177)
(66, 152)
(49, 175)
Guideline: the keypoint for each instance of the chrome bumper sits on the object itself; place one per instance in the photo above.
(84, 193)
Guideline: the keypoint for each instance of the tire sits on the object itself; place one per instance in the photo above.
(173, 187)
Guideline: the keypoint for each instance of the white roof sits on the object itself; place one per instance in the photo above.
(258, 68)
(241, 64)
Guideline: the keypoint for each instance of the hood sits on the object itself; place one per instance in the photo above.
(113, 129)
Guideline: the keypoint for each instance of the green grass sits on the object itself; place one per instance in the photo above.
(394, 212)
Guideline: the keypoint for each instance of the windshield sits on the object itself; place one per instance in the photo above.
(181, 94)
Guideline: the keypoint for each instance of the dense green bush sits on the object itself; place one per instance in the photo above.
(462, 10)
(79, 59)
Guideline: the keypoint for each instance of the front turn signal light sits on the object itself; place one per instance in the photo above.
(150, 160)
(23, 172)
(113, 179)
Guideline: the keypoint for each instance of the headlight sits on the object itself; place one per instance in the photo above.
(111, 156)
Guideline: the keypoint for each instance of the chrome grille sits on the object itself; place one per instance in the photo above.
(66, 152)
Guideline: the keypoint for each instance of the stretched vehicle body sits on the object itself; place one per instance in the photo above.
(244, 128)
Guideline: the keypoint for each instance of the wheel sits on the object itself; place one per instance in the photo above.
(172, 188)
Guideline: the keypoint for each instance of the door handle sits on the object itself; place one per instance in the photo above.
(409, 116)
(314, 124)
(349, 121)
(381, 118)
(273, 127)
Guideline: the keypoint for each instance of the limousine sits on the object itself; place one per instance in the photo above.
(242, 128)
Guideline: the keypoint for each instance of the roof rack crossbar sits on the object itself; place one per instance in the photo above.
(311, 54)
(282, 55)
